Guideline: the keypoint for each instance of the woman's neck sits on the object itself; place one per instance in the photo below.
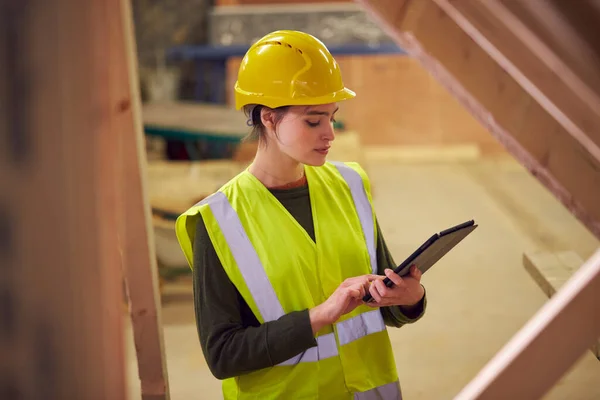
(274, 168)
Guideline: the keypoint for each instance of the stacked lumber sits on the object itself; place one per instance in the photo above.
(196, 120)
(173, 187)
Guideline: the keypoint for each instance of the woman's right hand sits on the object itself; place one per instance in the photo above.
(346, 298)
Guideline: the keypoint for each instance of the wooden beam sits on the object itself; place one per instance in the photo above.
(389, 14)
(61, 322)
(535, 66)
(136, 232)
(551, 271)
(570, 321)
(561, 32)
(548, 345)
(526, 129)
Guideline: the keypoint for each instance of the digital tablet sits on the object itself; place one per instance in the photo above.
(431, 251)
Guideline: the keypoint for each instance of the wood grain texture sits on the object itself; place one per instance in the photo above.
(135, 228)
(548, 345)
(547, 21)
(535, 66)
(551, 271)
(556, 157)
(174, 187)
(525, 128)
(61, 327)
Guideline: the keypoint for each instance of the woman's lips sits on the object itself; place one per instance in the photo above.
(323, 151)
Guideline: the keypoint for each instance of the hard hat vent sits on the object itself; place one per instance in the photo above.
(287, 68)
(273, 42)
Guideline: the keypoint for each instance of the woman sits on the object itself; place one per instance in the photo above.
(284, 253)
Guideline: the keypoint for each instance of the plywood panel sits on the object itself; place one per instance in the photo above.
(399, 103)
(393, 101)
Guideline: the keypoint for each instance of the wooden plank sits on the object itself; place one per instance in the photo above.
(499, 102)
(196, 120)
(570, 321)
(423, 154)
(551, 271)
(567, 324)
(61, 323)
(547, 19)
(174, 187)
(388, 13)
(135, 233)
(533, 65)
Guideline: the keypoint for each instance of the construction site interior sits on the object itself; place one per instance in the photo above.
(119, 116)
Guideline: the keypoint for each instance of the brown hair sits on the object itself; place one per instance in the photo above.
(253, 112)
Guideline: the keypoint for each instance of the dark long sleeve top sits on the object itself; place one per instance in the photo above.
(232, 339)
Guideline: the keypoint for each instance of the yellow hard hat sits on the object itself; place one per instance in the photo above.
(286, 68)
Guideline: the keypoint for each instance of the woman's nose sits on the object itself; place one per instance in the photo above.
(329, 133)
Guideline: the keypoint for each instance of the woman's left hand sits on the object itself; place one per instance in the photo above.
(405, 292)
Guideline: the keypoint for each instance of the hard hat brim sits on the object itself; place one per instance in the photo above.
(243, 98)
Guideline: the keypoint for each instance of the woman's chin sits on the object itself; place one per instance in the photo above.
(315, 160)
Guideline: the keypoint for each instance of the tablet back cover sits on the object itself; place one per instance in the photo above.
(438, 249)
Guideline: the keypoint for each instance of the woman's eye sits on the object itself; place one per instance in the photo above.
(315, 124)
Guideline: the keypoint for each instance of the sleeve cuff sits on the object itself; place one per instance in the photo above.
(408, 317)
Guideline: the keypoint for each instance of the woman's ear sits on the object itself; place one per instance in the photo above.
(267, 118)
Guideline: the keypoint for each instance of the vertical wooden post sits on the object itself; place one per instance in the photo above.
(136, 234)
(61, 331)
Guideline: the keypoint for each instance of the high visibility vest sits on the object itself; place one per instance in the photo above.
(278, 268)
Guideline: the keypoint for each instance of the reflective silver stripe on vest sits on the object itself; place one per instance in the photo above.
(255, 277)
(326, 347)
(391, 391)
(261, 289)
(372, 321)
(363, 207)
(362, 325)
(245, 256)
